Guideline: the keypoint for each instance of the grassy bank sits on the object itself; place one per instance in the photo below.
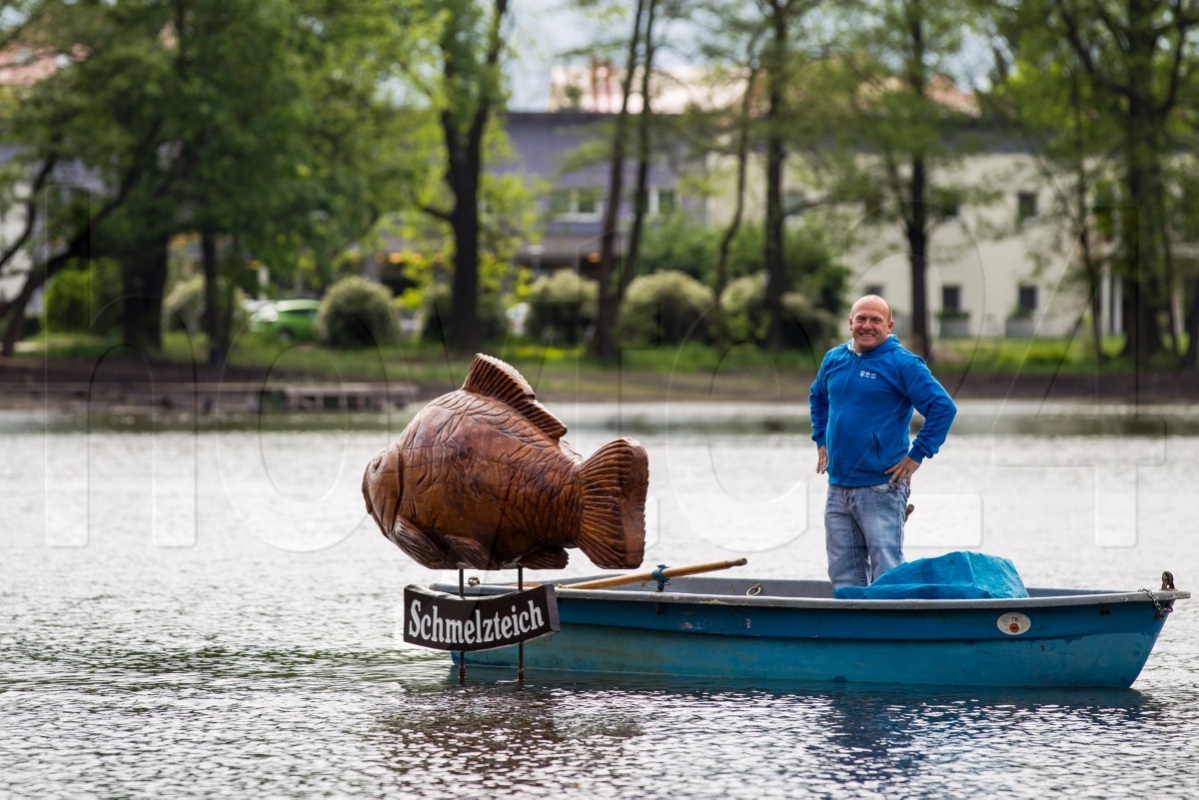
(690, 371)
(430, 360)
(1034, 370)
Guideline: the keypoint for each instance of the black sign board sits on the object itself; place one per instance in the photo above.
(448, 622)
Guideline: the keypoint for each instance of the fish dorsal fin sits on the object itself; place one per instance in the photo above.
(493, 378)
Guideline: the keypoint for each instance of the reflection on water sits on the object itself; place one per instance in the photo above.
(658, 738)
(247, 646)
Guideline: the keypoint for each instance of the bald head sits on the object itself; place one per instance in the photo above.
(873, 300)
(870, 322)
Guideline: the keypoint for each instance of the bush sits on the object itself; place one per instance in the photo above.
(562, 307)
(806, 327)
(663, 307)
(356, 312)
(83, 299)
(435, 313)
(184, 305)
(743, 305)
(678, 242)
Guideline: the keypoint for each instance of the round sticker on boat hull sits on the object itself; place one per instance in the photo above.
(1014, 623)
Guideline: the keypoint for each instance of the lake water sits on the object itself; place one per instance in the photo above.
(206, 611)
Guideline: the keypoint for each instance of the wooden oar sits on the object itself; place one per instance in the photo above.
(654, 575)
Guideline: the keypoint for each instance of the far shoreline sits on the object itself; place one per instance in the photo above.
(61, 382)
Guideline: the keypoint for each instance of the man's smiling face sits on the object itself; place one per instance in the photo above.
(870, 323)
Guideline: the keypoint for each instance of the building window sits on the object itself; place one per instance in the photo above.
(1026, 206)
(1026, 300)
(951, 297)
(665, 201)
(579, 204)
(560, 202)
(587, 202)
(873, 288)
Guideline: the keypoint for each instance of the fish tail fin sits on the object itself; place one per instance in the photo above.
(615, 480)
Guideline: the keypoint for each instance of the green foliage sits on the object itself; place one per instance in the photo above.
(437, 326)
(681, 244)
(743, 307)
(83, 299)
(806, 326)
(664, 307)
(677, 242)
(356, 312)
(183, 307)
(562, 307)
(261, 122)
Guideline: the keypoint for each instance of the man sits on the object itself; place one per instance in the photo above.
(862, 402)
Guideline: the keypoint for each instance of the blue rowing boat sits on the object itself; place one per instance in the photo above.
(745, 629)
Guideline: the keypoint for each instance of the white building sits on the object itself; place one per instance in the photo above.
(999, 264)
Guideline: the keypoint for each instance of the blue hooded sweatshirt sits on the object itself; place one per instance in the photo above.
(862, 411)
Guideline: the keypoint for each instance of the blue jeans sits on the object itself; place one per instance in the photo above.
(863, 531)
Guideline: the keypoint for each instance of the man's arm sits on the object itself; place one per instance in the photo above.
(818, 405)
(929, 397)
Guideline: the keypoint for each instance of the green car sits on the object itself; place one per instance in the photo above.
(289, 320)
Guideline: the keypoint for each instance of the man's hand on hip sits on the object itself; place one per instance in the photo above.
(902, 472)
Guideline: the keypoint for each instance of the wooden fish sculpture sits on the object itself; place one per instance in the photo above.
(481, 478)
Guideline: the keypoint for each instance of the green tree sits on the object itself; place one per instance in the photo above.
(1040, 86)
(90, 113)
(784, 20)
(253, 124)
(466, 96)
(1139, 63)
(898, 129)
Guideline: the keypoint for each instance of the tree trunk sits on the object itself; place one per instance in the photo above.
(464, 155)
(604, 343)
(143, 273)
(730, 233)
(1143, 340)
(218, 300)
(644, 156)
(776, 156)
(917, 235)
(917, 200)
(1192, 327)
(464, 301)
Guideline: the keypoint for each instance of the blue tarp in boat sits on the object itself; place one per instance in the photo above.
(960, 575)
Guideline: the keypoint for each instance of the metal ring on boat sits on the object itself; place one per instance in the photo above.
(754, 590)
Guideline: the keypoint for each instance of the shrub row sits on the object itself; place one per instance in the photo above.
(667, 307)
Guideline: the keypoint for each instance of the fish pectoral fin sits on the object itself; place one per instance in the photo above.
(409, 538)
(466, 552)
(545, 558)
